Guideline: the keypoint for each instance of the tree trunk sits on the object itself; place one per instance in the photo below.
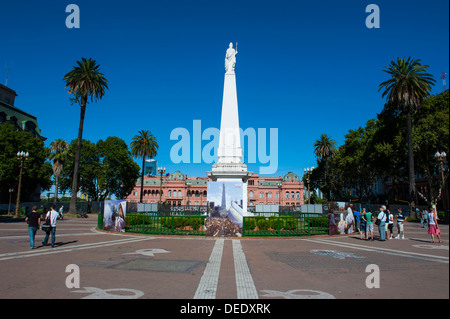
(56, 190)
(142, 179)
(412, 181)
(73, 199)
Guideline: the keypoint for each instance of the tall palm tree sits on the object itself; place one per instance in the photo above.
(84, 81)
(142, 146)
(59, 153)
(407, 87)
(324, 148)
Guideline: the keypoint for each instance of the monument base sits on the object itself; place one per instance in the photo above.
(229, 172)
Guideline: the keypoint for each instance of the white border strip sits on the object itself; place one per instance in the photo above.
(207, 287)
(382, 250)
(48, 250)
(244, 282)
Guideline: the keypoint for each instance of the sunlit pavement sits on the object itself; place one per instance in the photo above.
(107, 265)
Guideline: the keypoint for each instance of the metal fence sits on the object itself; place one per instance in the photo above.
(168, 223)
(301, 224)
(163, 223)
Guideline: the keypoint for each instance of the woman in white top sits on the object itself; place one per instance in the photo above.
(433, 227)
(390, 225)
(342, 225)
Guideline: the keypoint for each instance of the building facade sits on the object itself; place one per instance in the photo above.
(178, 189)
(21, 120)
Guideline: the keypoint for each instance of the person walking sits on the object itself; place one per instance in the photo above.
(401, 218)
(420, 214)
(425, 218)
(61, 212)
(34, 223)
(433, 227)
(362, 224)
(368, 216)
(53, 215)
(382, 226)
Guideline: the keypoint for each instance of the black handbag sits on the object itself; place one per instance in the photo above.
(46, 227)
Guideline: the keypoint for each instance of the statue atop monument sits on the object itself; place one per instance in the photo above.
(230, 59)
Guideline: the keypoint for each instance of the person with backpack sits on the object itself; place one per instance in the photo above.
(52, 215)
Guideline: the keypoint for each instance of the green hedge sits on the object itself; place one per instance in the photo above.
(317, 222)
(183, 221)
(264, 223)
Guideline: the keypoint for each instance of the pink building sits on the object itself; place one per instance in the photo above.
(178, 189)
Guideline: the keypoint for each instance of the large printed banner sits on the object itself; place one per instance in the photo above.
(114, 215)
(227, 202)
(342, 218)
(226, 199)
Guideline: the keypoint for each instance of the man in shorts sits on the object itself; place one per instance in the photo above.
(401, 218)
(369, 224)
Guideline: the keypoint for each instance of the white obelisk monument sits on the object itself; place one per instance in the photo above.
(229, 166)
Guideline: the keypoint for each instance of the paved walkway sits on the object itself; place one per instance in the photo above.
(160, 267)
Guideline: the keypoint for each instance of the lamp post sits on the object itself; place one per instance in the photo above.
(308, 172)
(280, 185)
(188, 193)
(11, 190)
(441, 158)
(21, 157)
(161, 171)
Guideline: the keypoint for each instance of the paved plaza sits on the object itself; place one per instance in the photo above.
(161, 267)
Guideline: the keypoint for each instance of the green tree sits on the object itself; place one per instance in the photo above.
(84, 81)
(408, 85)
(388, 151)
(106, 168)
(354, 161)
(142, 146)
(88, 170)
(324, 149)
(119, 171)
(431, 134)
(59, 152)
(36, 173)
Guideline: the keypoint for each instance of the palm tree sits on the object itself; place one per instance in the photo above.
(324, 148)
(405, 90)
(84, 81)
(142, 146)
(59, 153)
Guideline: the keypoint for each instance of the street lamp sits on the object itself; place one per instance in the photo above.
(161, 171)
(21, 157)
(280, 185)
(11, 190)
(308, 172)
(188, 193)
(441, 158)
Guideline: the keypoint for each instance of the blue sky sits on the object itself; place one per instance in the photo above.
(304, 67)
